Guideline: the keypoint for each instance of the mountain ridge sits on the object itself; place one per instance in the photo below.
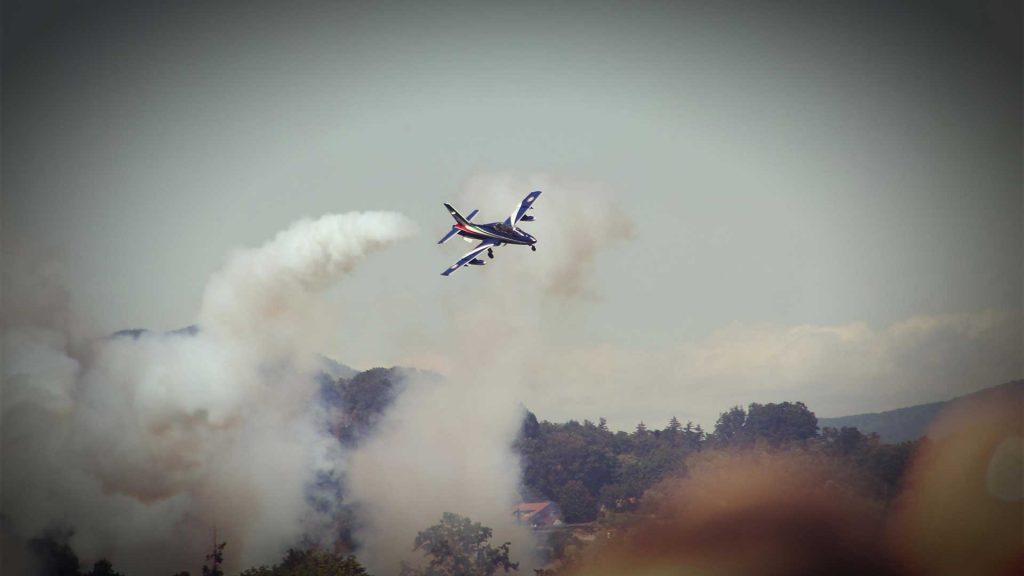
(908, 423)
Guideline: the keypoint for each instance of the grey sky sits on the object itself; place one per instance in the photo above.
(795, 164)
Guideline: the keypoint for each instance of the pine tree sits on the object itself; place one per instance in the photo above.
(673, 426)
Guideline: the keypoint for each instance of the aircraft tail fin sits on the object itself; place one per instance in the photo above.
(455, 214)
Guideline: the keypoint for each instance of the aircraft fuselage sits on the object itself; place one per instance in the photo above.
(498, 231)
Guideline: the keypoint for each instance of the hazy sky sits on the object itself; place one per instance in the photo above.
(783, 166)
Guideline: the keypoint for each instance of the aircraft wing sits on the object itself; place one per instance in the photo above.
(521, 209)
(469, 256)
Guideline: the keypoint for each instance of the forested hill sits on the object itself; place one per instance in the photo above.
(357, 403)
(904, 424)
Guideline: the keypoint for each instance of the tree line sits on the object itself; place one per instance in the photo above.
(586, 468)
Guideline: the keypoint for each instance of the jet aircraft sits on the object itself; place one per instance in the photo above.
(490, 235)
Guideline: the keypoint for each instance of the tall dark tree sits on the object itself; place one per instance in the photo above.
(693, 437)
(530, 428)
(673, 426)
(216, 560)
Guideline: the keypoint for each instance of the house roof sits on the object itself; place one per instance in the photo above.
(530, 507)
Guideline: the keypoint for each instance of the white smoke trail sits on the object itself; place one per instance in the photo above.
(447, 446)
(258, 296)
(143, 445)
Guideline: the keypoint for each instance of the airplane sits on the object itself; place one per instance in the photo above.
(490, 235)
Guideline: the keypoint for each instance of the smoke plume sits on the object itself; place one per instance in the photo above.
(145, 443)
(447, 446)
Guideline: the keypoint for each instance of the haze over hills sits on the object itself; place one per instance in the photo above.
(906, 424)
(892, 426)
(328, 366)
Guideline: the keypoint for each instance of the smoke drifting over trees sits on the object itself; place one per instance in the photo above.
(144, 439)
(447, 446)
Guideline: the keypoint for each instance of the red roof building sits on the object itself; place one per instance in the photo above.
(537, 514)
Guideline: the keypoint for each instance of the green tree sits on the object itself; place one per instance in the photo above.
(562, 453)
(673, 426)
(692, 437)
(780, 423)
(530, 427)
(846, 441)
(729, 427)
(457, 546)
(888, 464)
(577, 503)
